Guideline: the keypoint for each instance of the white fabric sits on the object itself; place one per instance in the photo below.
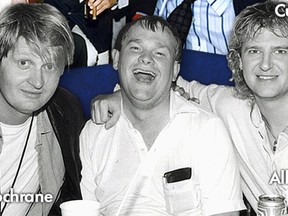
(14, 137)
(123, 3)
(249, 135)
(4, 4)
(211, 25)
(91, 51)
(192, 138)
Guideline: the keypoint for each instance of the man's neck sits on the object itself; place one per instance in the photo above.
(13, 118)
(149, 121)
(10, 115)
(275, 113)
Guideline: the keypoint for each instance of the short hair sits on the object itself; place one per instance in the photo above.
(247, 25)
(152, 23)
(42, 26)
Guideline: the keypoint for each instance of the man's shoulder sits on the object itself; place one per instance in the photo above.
(64, 100)
(192, 108)
(95, 131)
(65, 107)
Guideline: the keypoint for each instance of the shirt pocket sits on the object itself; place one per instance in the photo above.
(182, 196)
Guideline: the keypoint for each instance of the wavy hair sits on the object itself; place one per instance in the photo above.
(247, 26)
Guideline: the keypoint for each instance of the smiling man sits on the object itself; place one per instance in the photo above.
(39, 124)
(255, 111)
(165, 156)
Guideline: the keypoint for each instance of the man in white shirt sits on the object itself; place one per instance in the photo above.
(158, 132)
(255, 111)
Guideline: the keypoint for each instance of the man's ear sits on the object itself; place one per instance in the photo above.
(115, 58)
(176, 70)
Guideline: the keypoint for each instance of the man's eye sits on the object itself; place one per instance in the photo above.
(49, 67)
(160, 54)
(134, 48)
(253, 51)
(24, 64)
(281, 51)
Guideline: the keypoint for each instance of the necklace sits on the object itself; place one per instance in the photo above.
(267, 126)
(274, 145)
(20, 163)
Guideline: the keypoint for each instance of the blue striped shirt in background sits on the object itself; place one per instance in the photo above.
(211, 26)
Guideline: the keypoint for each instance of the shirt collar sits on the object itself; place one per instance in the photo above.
(43, 123)
(219, 6)
(178, 105)
(255, 115)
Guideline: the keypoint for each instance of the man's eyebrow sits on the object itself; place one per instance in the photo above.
(281, 47)
(133, 41)
(250, 47)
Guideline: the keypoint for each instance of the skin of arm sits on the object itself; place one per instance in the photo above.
(228, 214)
(105, 109)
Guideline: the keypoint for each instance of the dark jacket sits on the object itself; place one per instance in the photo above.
(99, 32)
(66, 117)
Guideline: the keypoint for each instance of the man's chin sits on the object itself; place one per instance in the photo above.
(28, 110)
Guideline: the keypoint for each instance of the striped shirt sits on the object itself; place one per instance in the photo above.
(211, 25)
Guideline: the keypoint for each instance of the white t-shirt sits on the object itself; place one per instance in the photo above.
(14, 137)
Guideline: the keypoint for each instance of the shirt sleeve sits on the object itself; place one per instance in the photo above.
(218, 172)
(87, 184)
(123, 3)
(208, 95)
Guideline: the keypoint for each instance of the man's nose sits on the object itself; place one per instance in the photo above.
(146, 58)
(266, 63)
(36, 78)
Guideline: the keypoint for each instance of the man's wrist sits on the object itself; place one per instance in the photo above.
(115, 5)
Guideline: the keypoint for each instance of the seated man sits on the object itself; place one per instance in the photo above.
(165, 156)
(39, 124)
(255, 111)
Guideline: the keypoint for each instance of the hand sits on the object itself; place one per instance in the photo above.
(101, 5)
(19, 1)
(105, 109)
(184, 94)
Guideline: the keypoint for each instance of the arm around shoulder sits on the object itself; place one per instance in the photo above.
(228, 214)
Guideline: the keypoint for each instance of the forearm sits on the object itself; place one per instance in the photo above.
(228, 214)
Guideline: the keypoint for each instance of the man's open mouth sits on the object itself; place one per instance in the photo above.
(144, 76)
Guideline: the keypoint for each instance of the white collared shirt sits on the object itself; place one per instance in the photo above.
(211, 25)
(257, 161)
(192, 138)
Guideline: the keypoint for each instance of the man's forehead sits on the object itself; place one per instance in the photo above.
(137, 29)
(23, 47)
(265, 34)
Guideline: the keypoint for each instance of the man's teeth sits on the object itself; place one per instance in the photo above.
(266, 77)
(144, 72)
(144, 76)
